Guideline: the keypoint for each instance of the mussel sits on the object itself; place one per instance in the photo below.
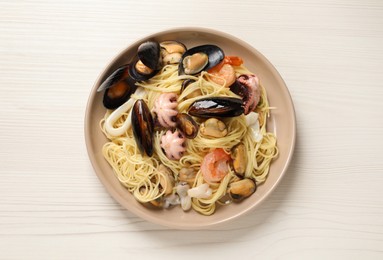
(150, 54)
(186, 83)
(200, 58)
(195, 93)
(216, 107)
(139, 71)
(187, 125)
(239, 159)
(118, 87)
(166, 179)
(213, 128)
(171, 52)
(147, 62)
(242, 189)
(143, 127)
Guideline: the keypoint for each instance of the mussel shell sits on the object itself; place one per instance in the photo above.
(168, 44)
(134, 74)
(143, 127)
(216, 107)
(118, 88)
(119, 74)
(186, 83)
(241, 189)
(150, 53)
(118, 94)
(187, 125)
(215, 54)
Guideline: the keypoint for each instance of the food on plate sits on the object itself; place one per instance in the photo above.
(187, 127)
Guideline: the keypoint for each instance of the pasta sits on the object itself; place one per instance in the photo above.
(140, 173)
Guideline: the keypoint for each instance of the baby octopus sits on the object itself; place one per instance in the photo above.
(173, 144)
(247, 86)
(165, 108)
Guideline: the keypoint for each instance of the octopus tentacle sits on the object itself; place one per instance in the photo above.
(165, 107)
(173, 144)
(247, 86)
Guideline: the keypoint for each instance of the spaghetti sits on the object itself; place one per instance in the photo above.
(139, 173)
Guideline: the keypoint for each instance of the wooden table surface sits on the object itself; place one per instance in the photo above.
(330, 203)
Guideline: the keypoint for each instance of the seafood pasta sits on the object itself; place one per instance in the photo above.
(187, 127)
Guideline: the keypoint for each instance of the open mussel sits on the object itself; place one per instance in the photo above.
(139, 71)
(147, 62)
(149, 54)
(241, 189)
(143, 127)
(216, 107)
(118, 87)
(187, 125)
(171, 52)
(186, 83)
(200, 58)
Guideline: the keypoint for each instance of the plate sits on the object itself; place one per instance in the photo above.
(281, 122)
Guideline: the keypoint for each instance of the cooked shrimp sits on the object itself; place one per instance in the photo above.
(214, 165)
(224, 74)
(233, 60)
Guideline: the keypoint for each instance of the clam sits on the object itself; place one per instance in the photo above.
(239, 156)
(118, 87)
(200, 58)
(143, 127)
(187, 125)
(216, 107)
(171, 52)
(242, 189)
(213, 127)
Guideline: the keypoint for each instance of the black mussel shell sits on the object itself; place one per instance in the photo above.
(119, 74)
(216, 107)
(118, 94)
(150, 53)
(214, 53)
(118, 88)
(143, 127)
(137, 75)
(186, 83)
(187, 125)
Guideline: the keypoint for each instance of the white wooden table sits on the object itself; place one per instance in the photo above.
(330, 203)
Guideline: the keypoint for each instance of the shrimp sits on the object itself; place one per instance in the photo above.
(224, 74)
(214, 166)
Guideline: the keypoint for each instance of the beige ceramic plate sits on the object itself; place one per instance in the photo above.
(282, 123)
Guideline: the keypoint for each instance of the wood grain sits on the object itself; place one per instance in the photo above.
(330, 204)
